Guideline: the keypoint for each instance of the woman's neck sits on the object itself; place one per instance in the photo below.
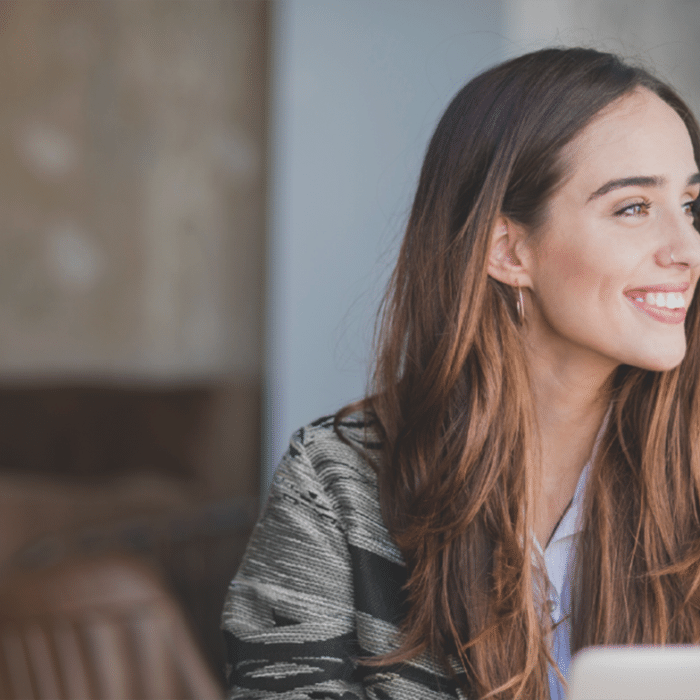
(569, 409)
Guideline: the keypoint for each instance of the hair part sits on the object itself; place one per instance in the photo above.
(454, 409)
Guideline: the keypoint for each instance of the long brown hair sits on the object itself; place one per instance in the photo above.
(454, 410)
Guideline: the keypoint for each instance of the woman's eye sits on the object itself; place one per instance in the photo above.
(636, 209)
(692, 207)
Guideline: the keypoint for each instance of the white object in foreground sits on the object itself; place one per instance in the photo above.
(643, 672)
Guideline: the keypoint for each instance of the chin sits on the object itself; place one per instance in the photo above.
(662, 363)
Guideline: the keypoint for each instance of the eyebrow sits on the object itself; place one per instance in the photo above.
(637, 181)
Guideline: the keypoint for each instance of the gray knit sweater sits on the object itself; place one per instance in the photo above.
(321, 584)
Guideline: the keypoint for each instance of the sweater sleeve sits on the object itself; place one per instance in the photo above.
(289, 619)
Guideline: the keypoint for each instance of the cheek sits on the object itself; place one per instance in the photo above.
(580, 293)
(569, 269)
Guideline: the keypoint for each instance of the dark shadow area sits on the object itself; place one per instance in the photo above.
(167, 474)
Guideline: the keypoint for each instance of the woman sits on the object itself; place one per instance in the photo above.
(524, 478)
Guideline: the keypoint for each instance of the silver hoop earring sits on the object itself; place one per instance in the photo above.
(520, 307)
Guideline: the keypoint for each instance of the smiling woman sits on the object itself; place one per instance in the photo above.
(523, 480)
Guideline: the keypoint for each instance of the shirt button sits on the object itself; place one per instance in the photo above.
(551, 606)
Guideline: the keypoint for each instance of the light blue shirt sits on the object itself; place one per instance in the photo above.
(559, 557)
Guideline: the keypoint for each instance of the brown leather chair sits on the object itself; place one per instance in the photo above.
(96, 627)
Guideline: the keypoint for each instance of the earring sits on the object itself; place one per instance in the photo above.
(520, 307)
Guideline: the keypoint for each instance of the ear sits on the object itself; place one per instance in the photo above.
(508, 258)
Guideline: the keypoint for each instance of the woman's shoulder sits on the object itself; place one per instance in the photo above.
(335, 476)
(358, 430)
(335, 451)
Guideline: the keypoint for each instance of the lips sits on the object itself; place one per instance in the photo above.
(662, 302)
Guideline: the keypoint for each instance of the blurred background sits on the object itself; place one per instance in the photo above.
(200, 205)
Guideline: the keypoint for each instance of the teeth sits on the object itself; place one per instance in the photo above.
(663, 300)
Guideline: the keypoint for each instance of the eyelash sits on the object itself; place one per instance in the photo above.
(635, 209)
(643, 208)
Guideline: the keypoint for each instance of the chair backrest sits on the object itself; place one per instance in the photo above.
(96, 627)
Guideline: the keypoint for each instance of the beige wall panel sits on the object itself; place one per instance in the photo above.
(132, 165)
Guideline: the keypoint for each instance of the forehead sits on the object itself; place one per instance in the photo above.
(637, 135)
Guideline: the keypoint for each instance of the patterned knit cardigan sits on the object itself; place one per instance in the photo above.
(321, 584)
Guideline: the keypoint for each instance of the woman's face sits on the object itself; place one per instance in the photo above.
(615, 266)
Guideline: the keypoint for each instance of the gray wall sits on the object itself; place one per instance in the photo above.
(357, 89)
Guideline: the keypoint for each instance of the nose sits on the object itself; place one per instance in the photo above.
(681, 244)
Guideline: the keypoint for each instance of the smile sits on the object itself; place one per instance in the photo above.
(664, 305)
